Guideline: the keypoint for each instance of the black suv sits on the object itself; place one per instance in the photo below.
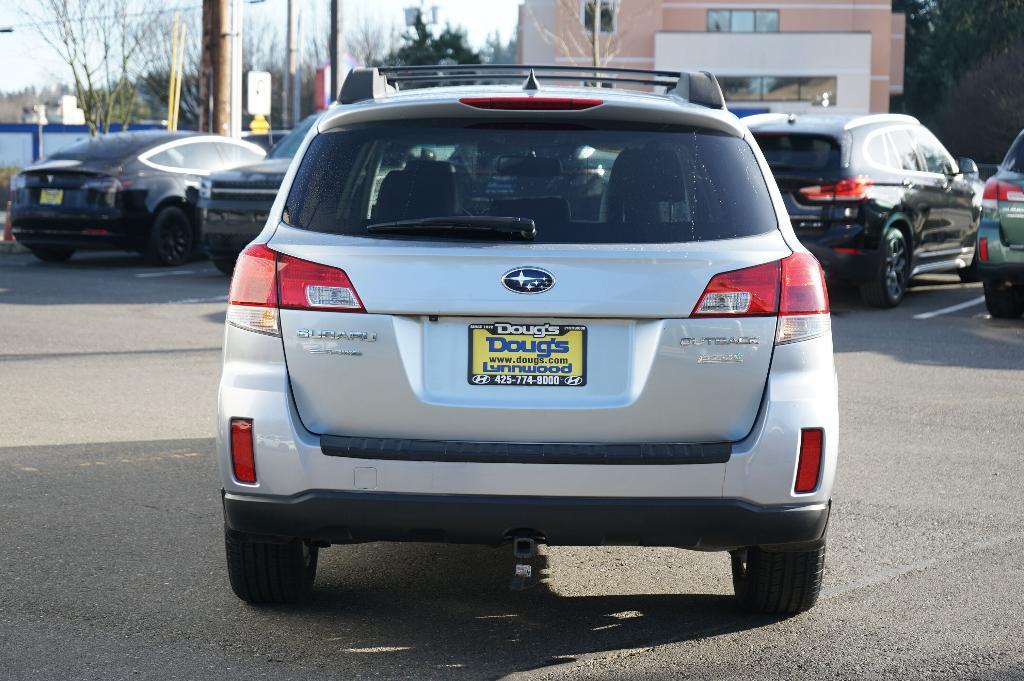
(876, 198)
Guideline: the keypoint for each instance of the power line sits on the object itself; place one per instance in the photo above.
(101, 17)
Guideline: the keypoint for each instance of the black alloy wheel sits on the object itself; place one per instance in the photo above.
(890, 283)
(172, 238)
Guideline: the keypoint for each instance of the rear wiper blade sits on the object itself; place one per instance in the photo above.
(481, 224)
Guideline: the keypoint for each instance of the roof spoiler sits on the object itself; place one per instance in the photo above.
(362, 84)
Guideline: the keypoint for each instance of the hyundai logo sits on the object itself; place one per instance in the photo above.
(528, 280)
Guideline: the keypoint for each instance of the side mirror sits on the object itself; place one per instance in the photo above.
(968, 167)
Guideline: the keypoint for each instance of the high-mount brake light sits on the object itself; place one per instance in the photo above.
(310, 286)
(847, 189)
(792, 288)
(997, 190)
(808, 468)
(243, 455)
(532, 103)
(265, 281)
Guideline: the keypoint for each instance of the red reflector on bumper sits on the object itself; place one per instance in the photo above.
(808, 470)
(243, 458)
(983, 249)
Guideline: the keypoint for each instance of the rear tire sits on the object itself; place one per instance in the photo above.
(1002, 301)
(225, 265)
(172, 238)
(264, 572)
(889, 284)
(52, 253)
(777, 582)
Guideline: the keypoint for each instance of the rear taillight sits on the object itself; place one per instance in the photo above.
(803, 303)
(808, 468)
(532, 103)
(243, 456)
(847, 189)
(265, 281)
(310, 286)
(792, 288)
(750, 292)
(997, 190)
(253, 294)
(983, 249)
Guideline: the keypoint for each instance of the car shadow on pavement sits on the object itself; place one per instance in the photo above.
(433, 607)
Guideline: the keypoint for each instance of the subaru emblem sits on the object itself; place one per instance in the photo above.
(528, 280)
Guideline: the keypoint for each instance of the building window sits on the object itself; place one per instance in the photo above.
(818, 90)
(743, 21)
(607, 14)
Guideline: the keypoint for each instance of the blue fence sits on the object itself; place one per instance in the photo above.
(20, 142)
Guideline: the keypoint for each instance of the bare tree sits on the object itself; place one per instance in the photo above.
(370, 41)
(99, 40)
(153, 68)
(596, 34)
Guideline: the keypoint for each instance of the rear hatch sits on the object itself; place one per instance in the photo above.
(64, 186)
(1009, 194)
(802, 162)
(582, 334)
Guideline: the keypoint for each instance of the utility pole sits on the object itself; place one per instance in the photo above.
(207, 46)
(336, 48)
(235, 120)
(221, 60)
(291, 84)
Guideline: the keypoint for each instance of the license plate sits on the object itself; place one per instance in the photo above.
(514, 353)
(51, 197)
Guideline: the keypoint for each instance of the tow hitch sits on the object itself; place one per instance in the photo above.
(524, 550)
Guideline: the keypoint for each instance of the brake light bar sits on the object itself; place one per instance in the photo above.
(265, 281)
(847, 189)
(532, 103)
(997, 190)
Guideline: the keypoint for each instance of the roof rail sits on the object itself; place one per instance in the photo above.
(696, 87)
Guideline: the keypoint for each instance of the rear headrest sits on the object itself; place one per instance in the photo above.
(423, 189)
(650, 174)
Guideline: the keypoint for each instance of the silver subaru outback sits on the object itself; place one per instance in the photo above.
(519, 313)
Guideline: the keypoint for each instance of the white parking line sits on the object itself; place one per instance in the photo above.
(952, 308)
(163, 273)
(186, 301)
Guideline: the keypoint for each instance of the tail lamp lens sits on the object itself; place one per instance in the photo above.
(243, 456)
(792, 288)
(750, 292)
(997, 190)
(265, 281)
(983, 249)
(808, 469)
(253, 293)
(310, 286)
(847, 189)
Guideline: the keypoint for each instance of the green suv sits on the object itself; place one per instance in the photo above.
(1001, 236)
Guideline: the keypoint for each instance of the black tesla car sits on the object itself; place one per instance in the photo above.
(877, 199)
(122, 191)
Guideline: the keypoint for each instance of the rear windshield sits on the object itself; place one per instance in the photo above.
(578, 184)
(799, 152)
(290, 143)
(1014, 161)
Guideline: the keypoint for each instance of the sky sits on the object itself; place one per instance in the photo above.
(26, 60)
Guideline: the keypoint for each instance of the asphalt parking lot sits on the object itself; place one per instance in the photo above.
(111, 557)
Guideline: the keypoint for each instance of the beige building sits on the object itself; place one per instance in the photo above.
(781, 55)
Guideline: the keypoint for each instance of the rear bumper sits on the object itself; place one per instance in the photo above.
(855, 268)
(342, 517)
(1004, 271)
(107, 229)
